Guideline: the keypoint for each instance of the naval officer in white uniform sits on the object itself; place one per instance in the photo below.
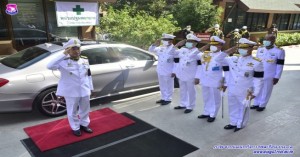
(273, 60)
(245, 72)
(165, 67)
(75, 85)
(210, 74)
(186, 71)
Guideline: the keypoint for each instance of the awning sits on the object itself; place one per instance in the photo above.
(270, 6)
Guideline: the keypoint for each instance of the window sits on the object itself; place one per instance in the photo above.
(282, 21)
(256, 21)
(3, 30)
(132, 54)
(25, 57)
(100, 56)
(30, 17)
(295, 22)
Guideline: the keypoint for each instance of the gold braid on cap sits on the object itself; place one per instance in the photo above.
(214, 43)
(244, 46)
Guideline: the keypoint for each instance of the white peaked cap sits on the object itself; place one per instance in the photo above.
(246, 41)
(72, 42)
(236, 30)
(217, 26)
(244, 27)
(167, 36)
(216, 39)
(192, 37)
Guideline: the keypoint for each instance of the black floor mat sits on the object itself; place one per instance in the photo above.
(138, 140)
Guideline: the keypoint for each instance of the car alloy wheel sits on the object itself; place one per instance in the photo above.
(51, 105)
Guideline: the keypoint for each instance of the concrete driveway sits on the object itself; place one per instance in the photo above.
(277, 126)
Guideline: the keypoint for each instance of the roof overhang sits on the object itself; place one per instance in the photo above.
(270, 6)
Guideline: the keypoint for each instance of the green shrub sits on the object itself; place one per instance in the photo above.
(285, 39)
(140, 30)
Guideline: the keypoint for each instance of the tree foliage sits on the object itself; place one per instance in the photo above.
(200, 14)
(154, 8)
(139, 30)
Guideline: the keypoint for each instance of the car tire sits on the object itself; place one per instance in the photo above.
(49, 104)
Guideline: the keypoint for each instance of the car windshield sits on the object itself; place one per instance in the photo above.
(25, 57)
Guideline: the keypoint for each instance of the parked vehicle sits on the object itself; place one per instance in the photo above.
(25, 81)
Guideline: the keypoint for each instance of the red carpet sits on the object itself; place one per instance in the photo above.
(58, 133)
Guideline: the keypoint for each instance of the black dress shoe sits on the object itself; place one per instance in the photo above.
(159, 101)
(211, 119)
(203, 116)
(86, 129)
(76, 132)
(253, 107)
(165, 102)
(237, 129)
(179, 107)
(188, 110)
(227, 127)
(260, 109)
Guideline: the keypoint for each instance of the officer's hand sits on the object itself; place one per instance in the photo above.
(180, 43)
(173, 75)
(197, 81)
(67, 51)
(224, 88)
(157, 42)
(275, 81)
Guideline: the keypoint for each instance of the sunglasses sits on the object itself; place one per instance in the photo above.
(75, 48)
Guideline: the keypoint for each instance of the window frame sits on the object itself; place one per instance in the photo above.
(107, 56)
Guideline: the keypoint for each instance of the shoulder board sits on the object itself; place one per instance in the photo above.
(83, 57)
(237, 55)
(257, 59)
(206, 51)
(67, 58)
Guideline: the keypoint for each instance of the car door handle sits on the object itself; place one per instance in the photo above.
(129, 66)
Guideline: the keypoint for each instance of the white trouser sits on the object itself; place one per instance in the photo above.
(264, 95)
(212, 100)
(236, 109)
(78, 109)
(166, 86)
(187, 94)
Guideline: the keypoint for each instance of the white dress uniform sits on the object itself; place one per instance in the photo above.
(244, 73)
(75, 86)
(273, 60)
(185, 72)
(211, 75)
(165, 68)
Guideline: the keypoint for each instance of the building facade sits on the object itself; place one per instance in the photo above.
(259, 15)
(35, 23)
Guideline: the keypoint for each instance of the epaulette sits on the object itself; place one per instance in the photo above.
(206, 51)
(67, 58)
(85, 57)
(281, 48)
(237, 55)
(257, 59)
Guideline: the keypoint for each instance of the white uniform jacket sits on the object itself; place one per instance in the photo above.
(273, 60)
(188, 62)
(76, 80)
(211, 72)
(244, 73)
(165, 65)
